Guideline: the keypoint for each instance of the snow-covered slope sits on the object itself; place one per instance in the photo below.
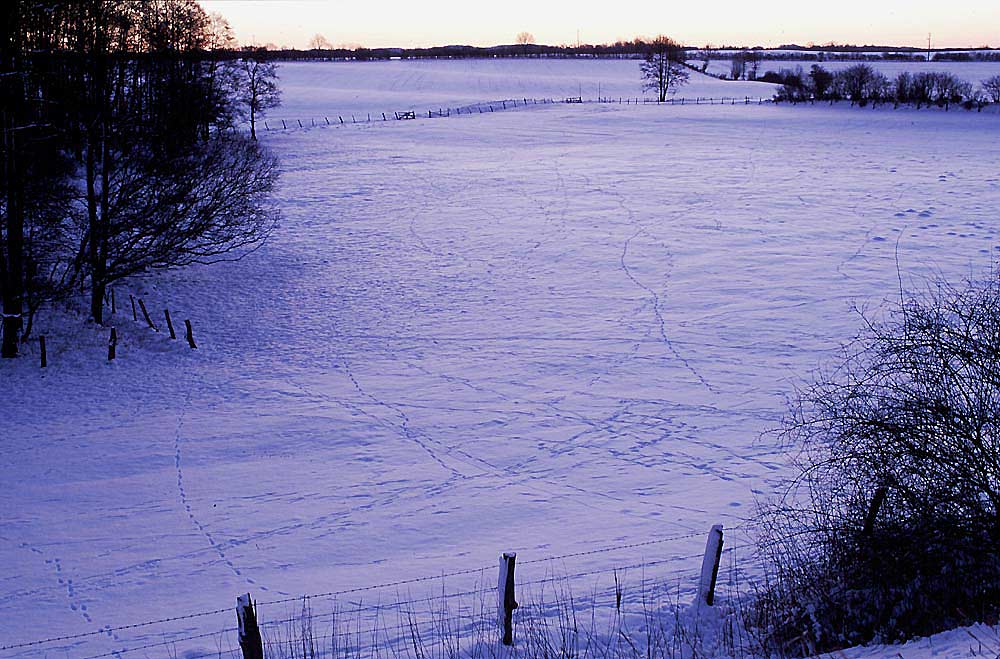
(552, 330)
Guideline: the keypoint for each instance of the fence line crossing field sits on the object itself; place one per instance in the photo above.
(544, 331)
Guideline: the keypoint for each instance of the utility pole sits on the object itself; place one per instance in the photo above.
(928, 46)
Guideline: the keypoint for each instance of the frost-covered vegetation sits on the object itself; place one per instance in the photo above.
(863, 84)
(889, 528)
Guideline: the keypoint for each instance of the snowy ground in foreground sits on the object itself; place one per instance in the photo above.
(549, 330)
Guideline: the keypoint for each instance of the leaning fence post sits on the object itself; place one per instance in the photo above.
(250, 641)
(145, 314)
(190, 334)
(41, 350)
(170, 325)
(505, 596)
(710, 566)
(112, 344)
(132, 300)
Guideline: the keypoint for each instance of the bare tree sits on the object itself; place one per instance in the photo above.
(738, 65)
(525, 39)
(319, 42)
(889, 529)
(992, 87)
(663, 70)
(258, 89)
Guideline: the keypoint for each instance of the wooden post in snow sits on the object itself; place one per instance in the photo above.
(710, 566)
(505, 596)
(114, 307)
(170, 325)
(132, 300)
(190, 334)
(112, 344)
(145, 314)
(41, 350)
(250, 641)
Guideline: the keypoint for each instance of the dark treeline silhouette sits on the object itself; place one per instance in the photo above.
(631, 49)
(118, 149)
(862, 84)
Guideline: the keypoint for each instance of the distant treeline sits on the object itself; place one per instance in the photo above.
(633, 49)
(862, 84)
(629, 50)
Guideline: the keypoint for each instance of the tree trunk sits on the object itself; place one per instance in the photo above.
(253, 124)
(12, 266)
(95, 233)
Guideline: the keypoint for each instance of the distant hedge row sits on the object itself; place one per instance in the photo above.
(863, 84)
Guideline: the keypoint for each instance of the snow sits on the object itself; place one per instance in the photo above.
(317, 90)
(552, 331)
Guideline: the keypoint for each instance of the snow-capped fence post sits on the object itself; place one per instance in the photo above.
(145, 314)
(505, 596)
(132, 300)
(170, 325)
(250, 641)
(41, 350)
(710, 566)
(112, 344)
(190, 334)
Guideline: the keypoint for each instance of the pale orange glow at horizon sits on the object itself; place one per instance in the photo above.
(765, 22)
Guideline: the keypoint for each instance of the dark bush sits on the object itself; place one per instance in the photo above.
(890, 528)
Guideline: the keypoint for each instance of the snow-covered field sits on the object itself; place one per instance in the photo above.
(554, 330)
(315, 90)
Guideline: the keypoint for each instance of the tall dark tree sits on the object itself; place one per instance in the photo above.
(35, 192)
(131, 96)
(663, 70)
(257, 87)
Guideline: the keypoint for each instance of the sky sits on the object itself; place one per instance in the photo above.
(415, 23)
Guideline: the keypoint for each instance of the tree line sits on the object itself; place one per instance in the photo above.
(862, 84)
(120, 150)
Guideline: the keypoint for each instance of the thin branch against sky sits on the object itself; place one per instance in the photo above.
(293, 23)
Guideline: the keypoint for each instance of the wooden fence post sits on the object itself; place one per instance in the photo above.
(114, 308)
(132, 300)
(250, 641)
(112, 344)
(284, 126)
(710, 566)
(190, 334)
(41, 350)
(505, 596)
(145, 314)
(170, 325)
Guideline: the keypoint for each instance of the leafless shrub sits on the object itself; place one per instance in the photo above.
(890, 528)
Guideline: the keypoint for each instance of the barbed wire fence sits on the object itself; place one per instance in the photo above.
(274, 124)
(389, 622)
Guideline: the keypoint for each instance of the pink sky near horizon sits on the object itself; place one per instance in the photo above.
(971, 23)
